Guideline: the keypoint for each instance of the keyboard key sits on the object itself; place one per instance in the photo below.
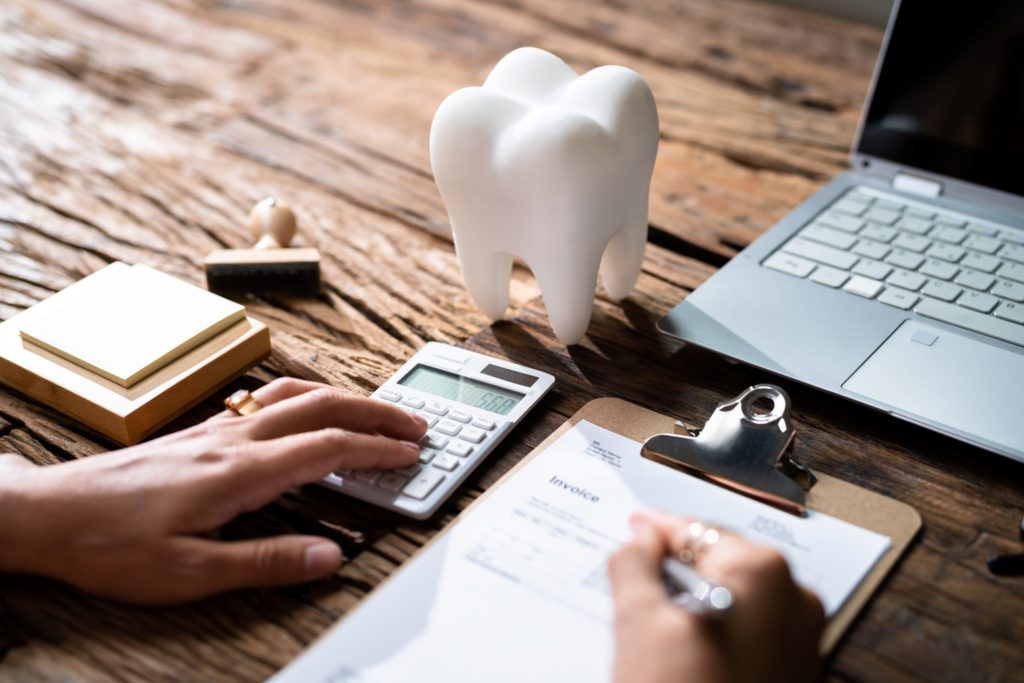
(856, 195)
(484, 424)
(426, 456)
(976, 301)
(787, 263)
(460, 448)
(1015, 236)
(975, 280)
(899, 298)
(410, 471)
(909, 242)
(840, 221)
(1012, 271)
(830, 277)
(938, 289)
(907, 280)
(939, 269)
(431, 420)
(946, 252)
(365, 476)
(890, 204)
(391, 481)
(1014, 291)
(1012, 252)
(389, 395)
(950, 221)
(982, 262)
(414, 402)
(904, 259)
(820, 253)
(851, 206)
(971, 320)
(879, 233)
(1011, 312)
(830, 236)
(436, 407)
(884, 216)
(872, 269)
(472, 434)
(445, 462)
(460, 416)
(862, 286)
(448, 427)
(917, 226)
(986, 245)
(982, 229)
(434, 441)
(870, 249)
(917, 212)
(947, 233)
(423, 483)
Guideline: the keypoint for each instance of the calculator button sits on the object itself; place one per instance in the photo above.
(366, 476)
(423, 483)
(343, 473)
(410, 471)
(426, 456)
(445, 462)
(413, 402)
(448, 427)
(389, 395)
(431, 420)
(472, 434)
(459, 416)
(485, 424)
(434, 441)
(460, 448)
(392, 481)
(436, 407)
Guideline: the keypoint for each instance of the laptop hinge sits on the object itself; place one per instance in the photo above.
(916, 185)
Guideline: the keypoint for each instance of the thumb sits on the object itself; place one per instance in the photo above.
(274, 561)
(635, 569)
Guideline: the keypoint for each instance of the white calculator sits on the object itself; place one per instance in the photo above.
(470, 402)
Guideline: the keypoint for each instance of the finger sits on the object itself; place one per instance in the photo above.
(258, 472)
(280, 389)
(327, 407)
(205, 567)
(635, 570)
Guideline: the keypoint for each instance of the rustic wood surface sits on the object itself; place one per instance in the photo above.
(144, 132)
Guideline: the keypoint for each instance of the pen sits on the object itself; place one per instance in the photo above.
(689, 589)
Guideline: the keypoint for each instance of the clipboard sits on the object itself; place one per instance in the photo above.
(837, 498)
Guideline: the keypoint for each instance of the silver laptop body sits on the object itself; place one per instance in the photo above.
(900, 284)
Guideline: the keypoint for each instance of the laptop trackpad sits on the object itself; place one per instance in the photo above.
(949, 380)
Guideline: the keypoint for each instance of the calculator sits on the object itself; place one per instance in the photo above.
(470, 402)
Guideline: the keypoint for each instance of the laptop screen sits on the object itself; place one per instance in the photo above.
(949, 97)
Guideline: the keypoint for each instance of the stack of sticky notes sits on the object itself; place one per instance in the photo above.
(126, 327)
(128, 348)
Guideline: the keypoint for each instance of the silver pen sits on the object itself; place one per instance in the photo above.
(689, 589)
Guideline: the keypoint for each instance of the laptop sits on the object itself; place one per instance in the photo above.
(900, 284)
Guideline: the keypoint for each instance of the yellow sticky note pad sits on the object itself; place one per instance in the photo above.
(131, 322)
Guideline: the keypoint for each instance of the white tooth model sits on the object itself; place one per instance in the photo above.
(551, 167)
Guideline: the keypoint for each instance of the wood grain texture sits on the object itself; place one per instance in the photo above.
(144, 132)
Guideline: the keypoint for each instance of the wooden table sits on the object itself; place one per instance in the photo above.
(144, 132)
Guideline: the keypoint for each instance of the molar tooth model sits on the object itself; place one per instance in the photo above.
(552, 167)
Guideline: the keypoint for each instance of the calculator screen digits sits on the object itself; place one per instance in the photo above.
(471, 392)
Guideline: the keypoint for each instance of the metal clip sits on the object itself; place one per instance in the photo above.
(742, 447)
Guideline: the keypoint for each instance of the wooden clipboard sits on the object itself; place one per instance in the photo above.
(835, 497)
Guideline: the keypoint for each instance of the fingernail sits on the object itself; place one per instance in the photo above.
(639, 524)
(420, 420)
(412, 445)
(322, 558)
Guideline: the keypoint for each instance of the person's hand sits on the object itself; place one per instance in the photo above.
(771, 633)
(129, 524)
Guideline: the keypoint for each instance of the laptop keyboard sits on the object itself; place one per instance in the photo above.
(946, 266)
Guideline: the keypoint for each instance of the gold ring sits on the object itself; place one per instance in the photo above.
(242, 403)
(700, 537)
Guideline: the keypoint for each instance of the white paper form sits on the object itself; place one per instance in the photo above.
(517, 590)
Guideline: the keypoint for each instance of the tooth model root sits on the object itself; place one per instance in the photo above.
(623, 259)
(569, 293)
(486, 274)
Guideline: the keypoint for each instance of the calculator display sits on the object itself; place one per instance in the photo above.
(456, 388)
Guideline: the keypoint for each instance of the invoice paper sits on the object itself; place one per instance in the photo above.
(517, 589)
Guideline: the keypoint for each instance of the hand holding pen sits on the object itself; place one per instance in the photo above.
(764, 628)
